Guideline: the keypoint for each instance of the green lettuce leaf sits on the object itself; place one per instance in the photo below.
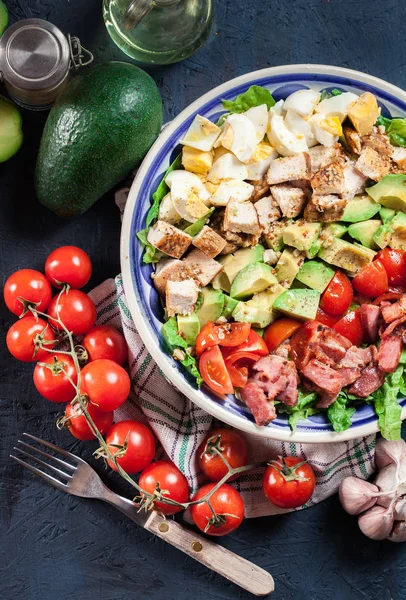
(329, 94)
(340, 414)
(304, 408)
(198, 225)
(387, 406)
(151, 254)
(161, 191)
(175, 341)
(254, 96)
(396, 130)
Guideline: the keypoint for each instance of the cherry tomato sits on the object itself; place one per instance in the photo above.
(288, 482)
(279, 331)
(214, 372)
(52, 378)
(75, 309)
(372, 280)
(29, 285)
(394, 262)
(22, 338)
(77, 423)
(207, 338)
(105, 341)
(231, 445)
(229, 335)
(68, 265)
(337, 297)
(255, 343)
(326, 319)
(169, 478)
(238, 364)
(226, 501)
(350, 326)
(106, 383)
(136, 445)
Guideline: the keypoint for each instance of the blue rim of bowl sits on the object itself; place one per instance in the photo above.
(138, 275)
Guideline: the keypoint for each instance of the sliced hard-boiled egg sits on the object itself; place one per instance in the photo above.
(298, 125)
(263, 156)
(202, 134)
(189, 195)
(302, 102)
(336, 106)
(277, 109)
(258, 115)
(244, 137)
(227, 167)
(232, 188)
(325, 130)
(190, 208)
(283, 140)
(167, 211)
(188, 181)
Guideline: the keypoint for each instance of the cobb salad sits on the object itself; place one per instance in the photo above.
(278, 237)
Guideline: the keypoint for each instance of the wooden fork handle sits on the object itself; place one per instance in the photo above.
(231, 566)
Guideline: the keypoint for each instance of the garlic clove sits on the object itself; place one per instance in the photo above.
(398, 533)
(387, 481)
(376, 523)
(389, 452)
(400, 509)
(357, 495)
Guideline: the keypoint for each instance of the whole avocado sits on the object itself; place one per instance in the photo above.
(98, 130)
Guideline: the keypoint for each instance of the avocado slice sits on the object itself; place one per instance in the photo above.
(364, 232)
(347, 256)
(315, 275)
(360, 208)
(288, 267)
(253, 278)
(390, 191)
(274, 237)
(383, 235)
(229, 305)
(259, 310)
(211, 307)
(335, 229)
(299, 304)
(301, 235)
(189, 327)
(386, 214)
(242, 258)
(221, 280)
(398, 227)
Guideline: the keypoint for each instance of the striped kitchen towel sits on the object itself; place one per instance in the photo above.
(180, 425)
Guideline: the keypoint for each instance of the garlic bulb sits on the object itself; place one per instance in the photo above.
(376, 523)
(357, 495)
(387, 481)
(398, 533)
(400, 509)
(389, 452)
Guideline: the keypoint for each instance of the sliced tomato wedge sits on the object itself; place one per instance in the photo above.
(326, 319)
(238, 365)
(350, 326)
(207, 338)
(254, 343)
(372, 280)
(279, 331)
(214, 372)
(233, 334)
(337, 297)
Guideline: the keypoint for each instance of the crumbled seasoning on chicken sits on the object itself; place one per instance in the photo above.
(372, 165)
(261, 188)
(325, 208)
(291, 200)
(330, 179)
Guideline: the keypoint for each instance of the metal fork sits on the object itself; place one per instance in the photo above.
(75, 476)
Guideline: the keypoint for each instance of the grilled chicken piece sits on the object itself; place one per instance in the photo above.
(169, 239)
(352, 139)
(325, 208)
(209, 242)
(267, 212)
(170, 269)
(289, 168)
(372, 165)
(241, 217)
(261, 189)
(320, 156)
(329, 179)
(378, 142)
(291, 200)
(203, 267)
(354, 181)
(181, 297)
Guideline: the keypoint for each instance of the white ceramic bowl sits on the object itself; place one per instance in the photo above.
(142, 298)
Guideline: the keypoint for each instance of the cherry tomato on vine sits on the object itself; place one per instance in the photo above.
(169, 478)
(288, 482)
(135, 444)
(24, 336)
(77, 423)
(76, 310)
(214, 372)
(372, 280)
(30, 285)
(106, 383)
(230, 444)
(228, 505)
(279, 331)
(105, 341)
(68, 265)
(337, 297)
(52, 378)
(394, 262)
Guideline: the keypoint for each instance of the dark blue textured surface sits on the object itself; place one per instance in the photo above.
(56, 547)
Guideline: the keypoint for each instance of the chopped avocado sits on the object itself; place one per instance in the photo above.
(274, 237)
(364, 232)
(288, 266)
(221, 280)
(398, 237)
(335, 229)
(189, 327)
(211, 307)
(386, 214)
(242, 258)
(301, 235)
(258, 311)
(315, 275)
(298, 285)
(300, 304)
(229, 306)
(383, 235)
(253, 278)
(390, 191)
(360, 208)
(347, 256)
(314, 249)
